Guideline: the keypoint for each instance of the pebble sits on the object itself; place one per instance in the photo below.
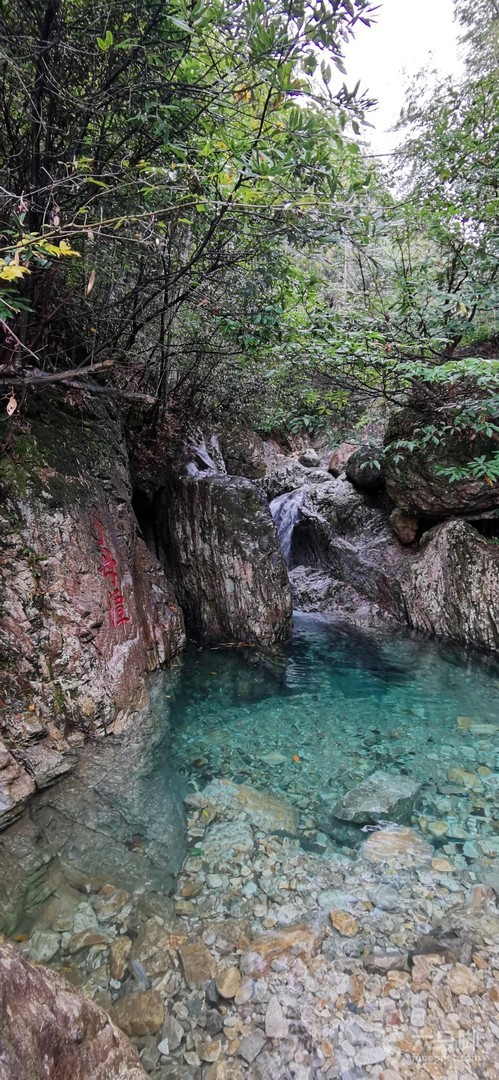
(228, 982)
(276, 1026)
(251, 1045)
(369, 1055)
(344, 923)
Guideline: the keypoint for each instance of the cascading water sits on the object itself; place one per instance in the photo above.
(286, 510)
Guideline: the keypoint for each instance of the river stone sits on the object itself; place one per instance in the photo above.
(151, 948)
(140, 1013)
(172, 1034)
(251, 1045)
(118, 957)
(263, 809)
(227, 840)
(276, 1025)
(405, 526)
(15, 787)
(85, 919)
(197, 963)
(310, 458)
(299, 940)
(228, 982)
(397, 846)
(381, 797)
(50, 1031)
(43, 945)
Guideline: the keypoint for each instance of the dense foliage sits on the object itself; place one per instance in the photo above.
(190, 223)
(178, 149)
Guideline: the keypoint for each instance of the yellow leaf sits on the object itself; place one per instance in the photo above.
(51, 249)
(65, 249)
(11, 272)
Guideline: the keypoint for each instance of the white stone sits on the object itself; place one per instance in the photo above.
(276, 1026)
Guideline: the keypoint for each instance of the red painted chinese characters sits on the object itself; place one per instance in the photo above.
(109, 569)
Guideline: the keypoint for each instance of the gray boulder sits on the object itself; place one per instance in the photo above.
(286, 474)
(381, 797)
(452, 587)
(310, 459)
(366, 467)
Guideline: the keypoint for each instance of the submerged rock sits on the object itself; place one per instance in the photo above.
(262, 808)
(140, 1013)
(220, 546)
(382, 796)
(49, 1030)
(397, 846)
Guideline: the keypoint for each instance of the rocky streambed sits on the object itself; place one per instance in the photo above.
(190, 881)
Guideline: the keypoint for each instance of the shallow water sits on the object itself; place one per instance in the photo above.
(338, 703)
(308, 723)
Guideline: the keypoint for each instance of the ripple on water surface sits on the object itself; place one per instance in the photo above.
(338, 703)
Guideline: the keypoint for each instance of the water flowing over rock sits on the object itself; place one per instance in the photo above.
(86, 609)
(50, 1031)
(286, 474)
(221, 549)
(452, 588)
(285, 510)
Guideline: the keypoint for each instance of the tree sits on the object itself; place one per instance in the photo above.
(178, 148)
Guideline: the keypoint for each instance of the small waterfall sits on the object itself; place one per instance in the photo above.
(286, 511)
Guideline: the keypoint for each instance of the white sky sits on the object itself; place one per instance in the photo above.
(407, 36)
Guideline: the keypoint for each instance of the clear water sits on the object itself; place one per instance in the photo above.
(306, 723)
(338, 703)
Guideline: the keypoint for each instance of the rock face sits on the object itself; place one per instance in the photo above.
(86, 609)
(220, 547)
(15, 787)
(413, 480)
(452, 588)
(50, 1031)
(382, 796)
(340, 532)
(243, 451)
